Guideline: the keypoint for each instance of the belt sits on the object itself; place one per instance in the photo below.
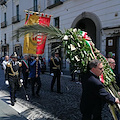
(14, 74)
(56, 67)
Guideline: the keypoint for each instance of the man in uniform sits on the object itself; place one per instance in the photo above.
(55, 69)
(13, 75)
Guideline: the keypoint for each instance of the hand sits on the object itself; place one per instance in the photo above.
(52, 74)
(6, 82)
(117, 100)
(61, 73)
(21, 80)
(37, 58)
(36, 75)
(118, 93)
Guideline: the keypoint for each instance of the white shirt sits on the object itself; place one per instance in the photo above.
(4, 63)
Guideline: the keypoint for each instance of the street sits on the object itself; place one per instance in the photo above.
(50, 105)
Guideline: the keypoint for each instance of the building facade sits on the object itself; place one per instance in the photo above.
(100, 19)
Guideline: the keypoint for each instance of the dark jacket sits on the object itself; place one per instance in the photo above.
(13, 71)
(24, 66)
(94, 94)
(55, 65)
(33, 69)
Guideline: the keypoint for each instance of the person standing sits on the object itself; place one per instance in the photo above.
(94, 94)
(35, 76)
(13, 75)
(25, 70)
(55, 69)
(112, 66)
(4, 63)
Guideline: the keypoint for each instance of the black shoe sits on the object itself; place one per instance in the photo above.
(12, 103)
(14, 100)
(60, 92)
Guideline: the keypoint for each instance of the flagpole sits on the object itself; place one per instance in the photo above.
(27, 11)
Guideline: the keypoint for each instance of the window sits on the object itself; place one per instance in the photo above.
(56, 22)
(35, 5)
(5, 17)
(5, 38)
(56, 1)
(17, 12)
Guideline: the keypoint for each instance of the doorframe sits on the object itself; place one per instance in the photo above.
(96, 21)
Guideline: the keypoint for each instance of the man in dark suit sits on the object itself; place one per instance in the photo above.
(112, 65)
(94, 93)
(13, 76)
(55, 69)
(35, 75)
(25, 70)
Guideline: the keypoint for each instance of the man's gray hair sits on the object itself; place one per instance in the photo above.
(94, 63)
(110, 59)
(25, 55)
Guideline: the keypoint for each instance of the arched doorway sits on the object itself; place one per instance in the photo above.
(90, 23)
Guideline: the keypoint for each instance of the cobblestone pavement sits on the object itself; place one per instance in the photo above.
(51, 105)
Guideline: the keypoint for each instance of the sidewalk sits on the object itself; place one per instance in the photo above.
(8, 113)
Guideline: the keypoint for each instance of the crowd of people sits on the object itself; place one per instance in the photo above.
(27, 70)
(94, 95)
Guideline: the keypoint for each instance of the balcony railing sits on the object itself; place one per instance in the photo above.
(2, 2)
(52, 4)
(34, 8)
(16, 19)
(4, 24)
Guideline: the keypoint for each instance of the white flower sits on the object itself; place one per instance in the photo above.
(65, 37)
(72, 47)
(76, 57)
(74, 30)
(71, 36)
(78, 44)
(80, 37)
(68, 46)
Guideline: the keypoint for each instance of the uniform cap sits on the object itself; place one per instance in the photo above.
(14, 55)
(57, 52)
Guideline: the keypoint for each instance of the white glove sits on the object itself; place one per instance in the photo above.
(6, 82)
(21, 80)
(52, 74)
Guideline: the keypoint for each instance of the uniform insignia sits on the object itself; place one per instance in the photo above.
(20, 64)
(8, 64)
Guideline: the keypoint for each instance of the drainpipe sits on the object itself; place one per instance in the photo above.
(12, 26)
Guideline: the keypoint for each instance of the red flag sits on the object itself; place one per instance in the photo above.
(41, 39)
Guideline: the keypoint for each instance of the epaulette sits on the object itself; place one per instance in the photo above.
(8, 64)
(51, 58)
(20, 64)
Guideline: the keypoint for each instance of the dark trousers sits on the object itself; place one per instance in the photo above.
(56, 75)
(13, 83)
(33, 81)
(25, 79)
